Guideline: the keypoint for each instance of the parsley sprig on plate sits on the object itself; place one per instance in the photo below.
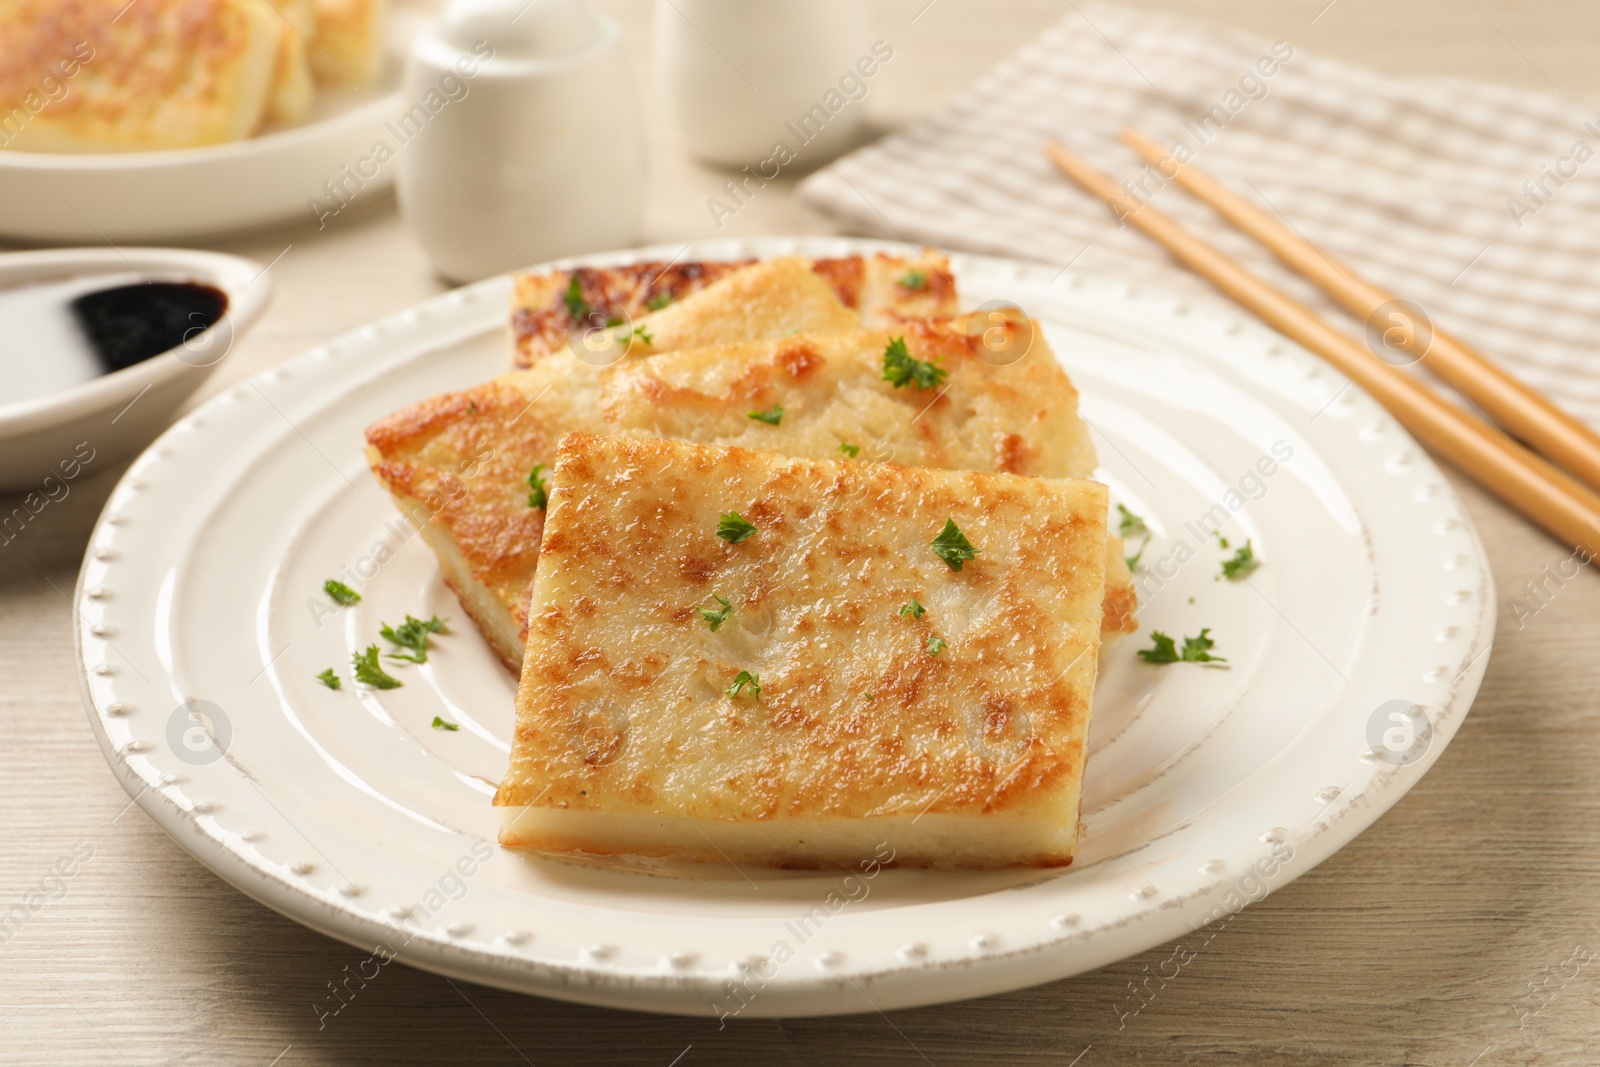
(1195, 649)
(412, 634)
(1130, 526)
(370, 672)
(1243, 563)
(341, 592)
(772, 416)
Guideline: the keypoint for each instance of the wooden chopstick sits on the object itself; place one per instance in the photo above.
(1516, 406)
(1544, 494)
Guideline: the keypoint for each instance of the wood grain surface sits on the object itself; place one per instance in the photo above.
(1462, 929)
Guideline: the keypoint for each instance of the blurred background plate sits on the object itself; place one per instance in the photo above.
(185, 193)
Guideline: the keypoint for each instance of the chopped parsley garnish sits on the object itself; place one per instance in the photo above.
(329, 679)
(643, 334)
(1241, 565)
(440, 724)
(540, 497)
(936, 645)
(914, 279)
(340, 592)
(772, 416)
(733, 528)
(1133, 560)
(368, 672)
(659, 301)
(1195, 649)
(900, 369)
(912, 608)
(953, 547)
(715, 617)
(613, 321)
(412, 634)
(746, 679)
(1130, 525)
(577, 306)
(849, 449)
(1222, 542)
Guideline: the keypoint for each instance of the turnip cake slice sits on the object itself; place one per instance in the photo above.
(737, 656)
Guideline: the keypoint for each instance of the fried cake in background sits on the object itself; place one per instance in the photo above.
(292, 88)
(459, 464)
(156, 74)
(817, 722)
(110, 76)
(742, 300)
(347, 48)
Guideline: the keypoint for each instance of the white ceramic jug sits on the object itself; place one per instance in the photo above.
(521, 140)
(743, 75)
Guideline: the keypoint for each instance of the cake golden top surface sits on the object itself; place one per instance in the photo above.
(630, 703)
(467, 456)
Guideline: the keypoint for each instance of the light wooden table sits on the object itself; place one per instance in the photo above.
(1461, 929)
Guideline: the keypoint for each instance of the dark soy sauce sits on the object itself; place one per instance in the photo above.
(131, 323)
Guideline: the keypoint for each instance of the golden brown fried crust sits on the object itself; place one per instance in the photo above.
(468, 454)
(815, 592)
(542, 321)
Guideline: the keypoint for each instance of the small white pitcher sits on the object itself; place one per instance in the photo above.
(521, 140)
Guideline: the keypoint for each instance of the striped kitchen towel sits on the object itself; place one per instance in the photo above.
(1479, 202)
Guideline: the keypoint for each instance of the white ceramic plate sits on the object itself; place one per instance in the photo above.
(1355, 652)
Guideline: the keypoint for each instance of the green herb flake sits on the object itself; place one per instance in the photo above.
(368, 672)
(1222, 542)
(900, 369)
(1130, 525)
(540, 497)
(440, 724)
(1133, 560)
(1195, 649)
(912, 608)
(913, 279)
(715, 617)
(772, 416)
(1242, 564)
(577, 306)
(643, 334)
(733, 528)
(746, 680)
(412, 634)
(659, 301)
(849, 449)
(329, 679)
(613, 322)
(341, 592)
(953, 547)
(936, 645)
